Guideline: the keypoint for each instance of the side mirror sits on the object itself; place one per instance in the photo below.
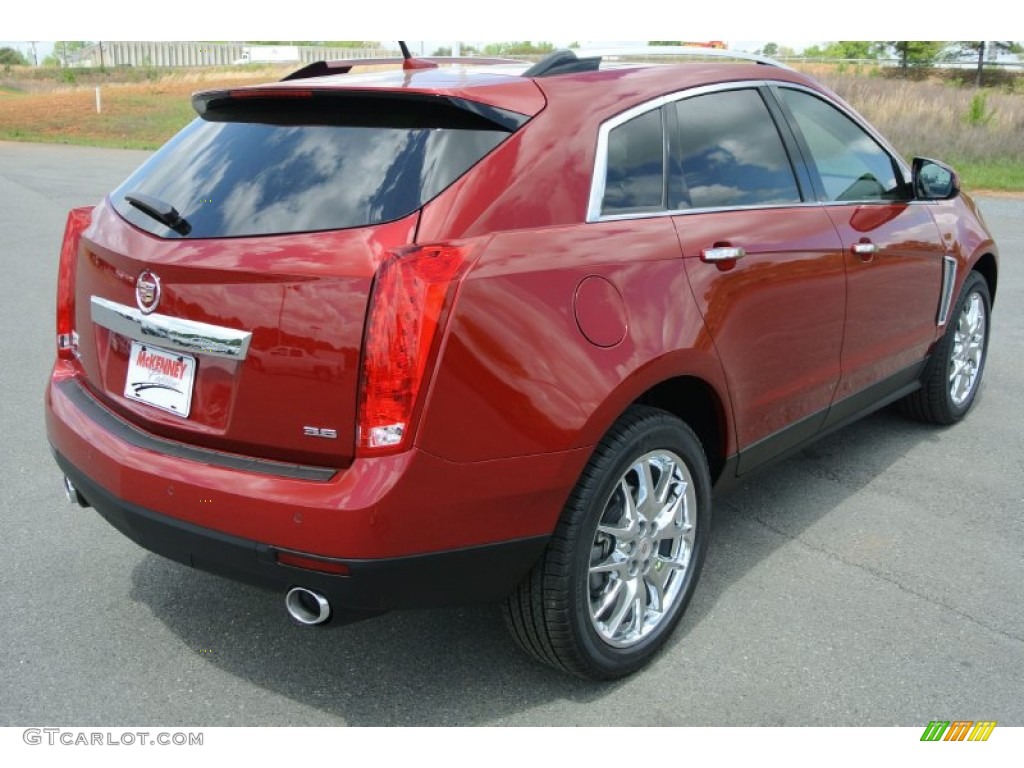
(933, 180)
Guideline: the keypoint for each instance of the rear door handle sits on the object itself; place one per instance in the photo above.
(865, 249)
(720, 254)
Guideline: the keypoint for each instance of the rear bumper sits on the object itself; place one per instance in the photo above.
(468, 575)
(412, 529)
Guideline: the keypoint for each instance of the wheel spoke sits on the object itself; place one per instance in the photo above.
(658, 579)
(625, 528)
(669, 476)
(624, 598)
(609, 598)
(647, 492)
(614, 563)
(974, 315)
(639, 609)
(672, 516)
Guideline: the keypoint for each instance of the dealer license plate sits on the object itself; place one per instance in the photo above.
(160, 378)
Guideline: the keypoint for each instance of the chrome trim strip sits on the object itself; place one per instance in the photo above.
(597, 181)
(171, 332)
(761, 207)
(654, 51)
(948, 281)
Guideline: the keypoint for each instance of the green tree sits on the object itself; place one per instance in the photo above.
(464, 50)
(846, 49)
(978, 48)
(915, 53)
(770, 49)
(65, 49)
(518, 48)
(11, 56)
(855, 49)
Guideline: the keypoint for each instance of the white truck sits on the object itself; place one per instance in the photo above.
(268, 54)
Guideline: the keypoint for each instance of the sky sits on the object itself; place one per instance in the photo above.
(424, 47)
(740, 22)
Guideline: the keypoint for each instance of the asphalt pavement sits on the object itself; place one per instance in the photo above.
(874, 579)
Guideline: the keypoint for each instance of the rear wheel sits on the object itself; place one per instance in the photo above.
(953, 375)
(625, 557)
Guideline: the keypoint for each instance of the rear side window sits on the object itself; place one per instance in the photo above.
(731, 152)
(275, 166)
(635, 177)
(851, 164)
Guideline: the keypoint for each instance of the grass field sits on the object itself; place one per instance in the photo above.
(982, 136)
(981, 133)
(135, 115)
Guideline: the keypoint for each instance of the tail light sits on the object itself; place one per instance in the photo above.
(78, 221)
(408, 308)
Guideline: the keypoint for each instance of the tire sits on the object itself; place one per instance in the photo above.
(621, 565)
(953, 375)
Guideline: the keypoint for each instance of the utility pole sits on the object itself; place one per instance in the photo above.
(102, 65)
(35, 56)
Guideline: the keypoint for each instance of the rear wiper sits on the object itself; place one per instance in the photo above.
(163, 212)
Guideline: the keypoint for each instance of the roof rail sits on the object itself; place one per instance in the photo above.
(557, 63)
(679, 50)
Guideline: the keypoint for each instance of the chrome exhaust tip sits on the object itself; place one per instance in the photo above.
(307, 607)
(72, 494)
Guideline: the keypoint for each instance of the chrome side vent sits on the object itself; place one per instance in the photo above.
(948, 281)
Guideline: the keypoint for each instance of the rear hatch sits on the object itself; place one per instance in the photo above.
(222, 290)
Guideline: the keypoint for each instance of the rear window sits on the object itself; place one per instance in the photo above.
(273, 166)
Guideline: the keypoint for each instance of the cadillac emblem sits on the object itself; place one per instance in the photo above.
(147, 292)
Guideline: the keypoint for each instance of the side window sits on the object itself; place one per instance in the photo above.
(851, 164)
(731, 152)
(635, 179)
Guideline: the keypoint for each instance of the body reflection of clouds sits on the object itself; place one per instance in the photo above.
(237, 179)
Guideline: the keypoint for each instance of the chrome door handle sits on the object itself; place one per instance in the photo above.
(865, 249)
(722, 254)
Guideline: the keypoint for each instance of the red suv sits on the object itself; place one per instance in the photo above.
(438, 335)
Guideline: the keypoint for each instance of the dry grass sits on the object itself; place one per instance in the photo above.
(934, 119)
(134, 115)
(143, 107)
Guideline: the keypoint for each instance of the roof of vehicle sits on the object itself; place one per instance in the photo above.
(501, 86)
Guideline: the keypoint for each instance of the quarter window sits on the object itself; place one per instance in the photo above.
(731, 153)
(635, 178)
(851, 164)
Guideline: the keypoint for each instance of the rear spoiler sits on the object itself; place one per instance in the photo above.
(302, 105)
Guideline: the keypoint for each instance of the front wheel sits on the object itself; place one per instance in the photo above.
(624, 559)
(953, 376)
